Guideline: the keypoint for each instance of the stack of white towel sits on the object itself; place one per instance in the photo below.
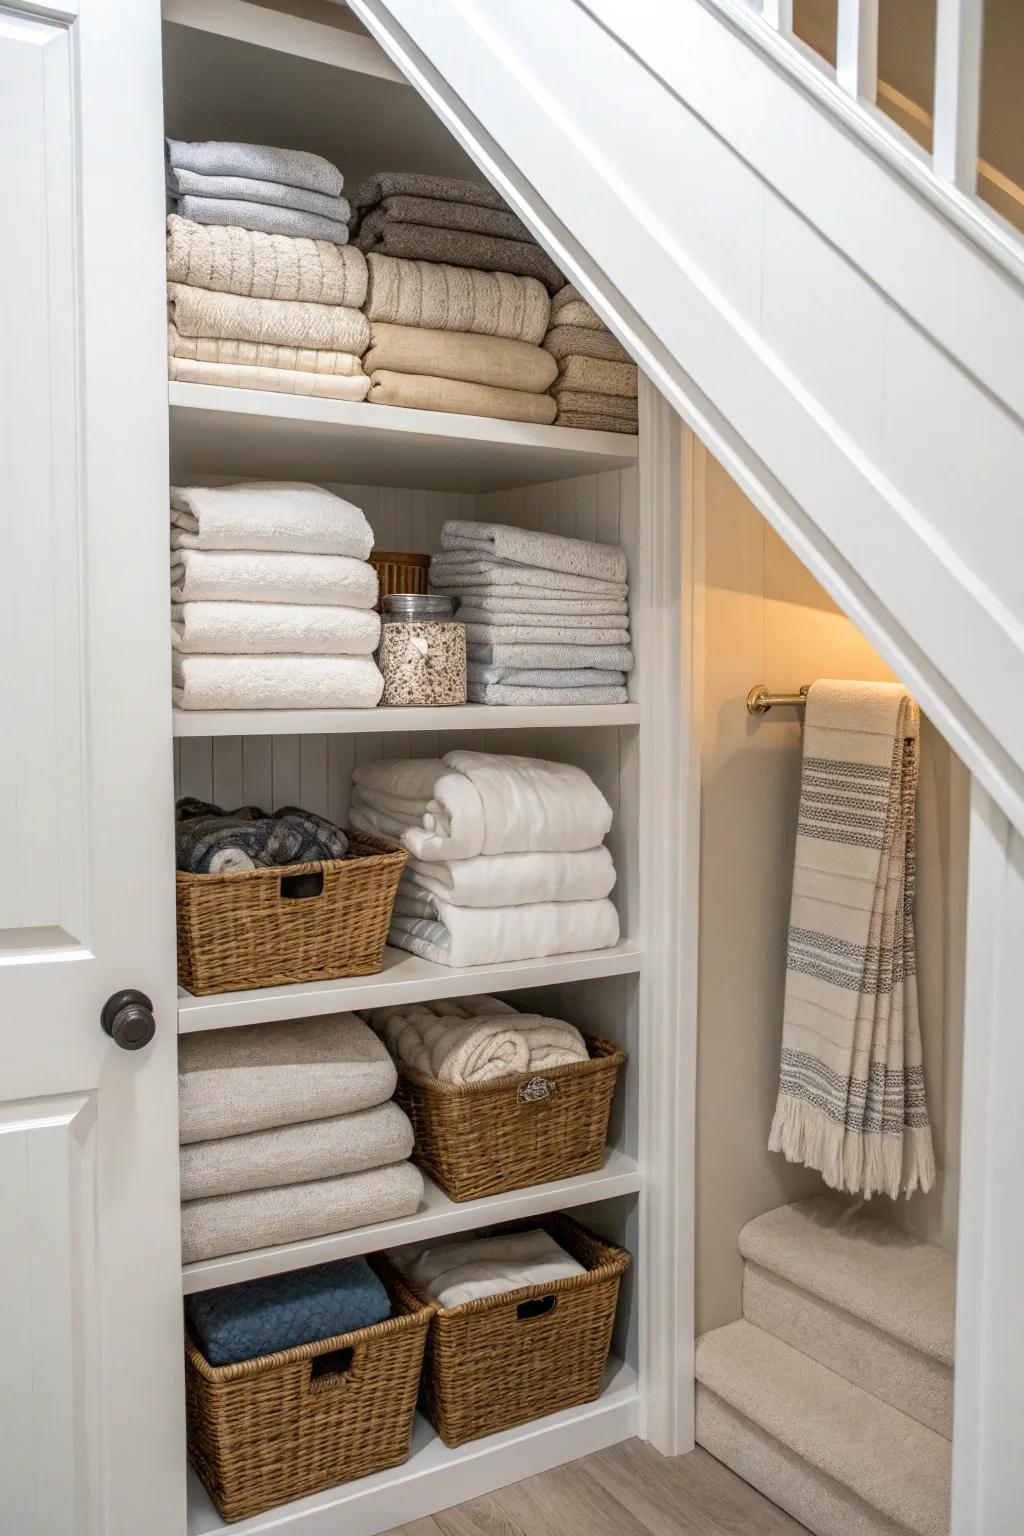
(288, 1132)
(547, 618)
(476, 1039)
(474, 1268)
(272, 599)
(507, 857)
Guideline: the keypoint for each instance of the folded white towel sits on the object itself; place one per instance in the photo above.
(281, 515)
(260, 576)
(454, 1273)
(457, 936)
(294, 1154)
(524, 547)
(483, 802)
(502, 609)
(513, 879)
(275, 682)
(573, 632)
(512, 617)
(439, 1041)
(460, 573)
(313, 385)
(559, 658)
(262, 629)
(509, 694)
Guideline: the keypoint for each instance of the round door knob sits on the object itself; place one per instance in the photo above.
(127, 1017)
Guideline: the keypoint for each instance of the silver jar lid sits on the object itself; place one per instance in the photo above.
(417, 607)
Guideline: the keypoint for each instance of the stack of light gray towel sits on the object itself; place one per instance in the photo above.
(547, 618)
(255, 186)
(288, 1132)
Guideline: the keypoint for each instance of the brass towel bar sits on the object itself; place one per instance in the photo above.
(760, 699)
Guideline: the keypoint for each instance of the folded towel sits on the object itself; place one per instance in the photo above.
(287, 515)
(456, 299)
(449, 189)
(257, 266)
(294, 1154)
(458, 1272)
(442, 213)
(623, 407)
(271, 576)
(421, 392)
(512, 879)
(275, 682)
(247, 189)
(569, 307)
(262, 217)
(284, 323)
(537, 677)
(612, 658)
(275, 381)
(595, 421)
(212, 841)
(262, 1218)
(572, 633)
(513, 617)
(262, 162)
(459, 572)
(460, 248)
(231, 1081)
(269, 629)
(524, 547)
(496, 605)
(223, 351)
(507, 693)
(274, 1312)
(460, 1050)
(482, 802)
(598, 375)
(459, 355)
(457, 936)
(565, 341)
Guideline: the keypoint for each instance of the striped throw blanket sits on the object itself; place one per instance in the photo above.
(851, 1092)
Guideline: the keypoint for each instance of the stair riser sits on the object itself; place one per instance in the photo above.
(890, 1370)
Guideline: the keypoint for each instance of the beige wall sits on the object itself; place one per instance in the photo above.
(768, 620)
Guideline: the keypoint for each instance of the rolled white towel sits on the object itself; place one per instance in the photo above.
(281, 515)
(458, 1272)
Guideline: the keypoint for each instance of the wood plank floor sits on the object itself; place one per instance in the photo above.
(629, 1490)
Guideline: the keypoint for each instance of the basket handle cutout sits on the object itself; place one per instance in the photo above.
(539, 1306)
(330, 1370)
(302, 887)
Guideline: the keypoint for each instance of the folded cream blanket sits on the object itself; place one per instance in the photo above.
(564, 341)
(247, 189)
(421, 392)
(458, 571)
(620, 406)
(598, 376)
(231, 1081)
(294, 1154)
(456, 936)
(275, 682)
(449, 189)
(573, 632)
(509, 693)
(483, 802)
(264, 217)
(293, 1213)
(523, 546)
(455, 1273)
(569, 307)
(443, 213)
(201, 312)
(257, 266)
(273, 629)
(271, 576)
(537, 677)
(460, 1046)
(287, 515)
(460, 355)
(606, 658)
(595, 421)
(224, 351)
(274, 381)
(460, 248)
(444, 298)
(262, 162)
(513, 879)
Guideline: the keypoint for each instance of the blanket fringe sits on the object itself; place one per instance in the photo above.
(866, 1165)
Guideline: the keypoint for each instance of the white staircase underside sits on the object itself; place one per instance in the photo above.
(823, 319)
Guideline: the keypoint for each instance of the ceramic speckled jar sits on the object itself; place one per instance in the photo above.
(422, 654)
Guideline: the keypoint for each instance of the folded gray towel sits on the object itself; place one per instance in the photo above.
(246, 189)
(450, 189)
(444, 215)
(263, 218)
(537, 677)
(595, 421)
(261, 162)
(231, 1081)
(462, 248)
(506, 693)
(564, 341)
(611, 658)
(522, 546)
(548, 634)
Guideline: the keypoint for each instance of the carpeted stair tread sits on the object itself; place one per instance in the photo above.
(892, 1463)
(900, 1285)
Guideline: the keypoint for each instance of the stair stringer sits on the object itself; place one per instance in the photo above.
(866, 395)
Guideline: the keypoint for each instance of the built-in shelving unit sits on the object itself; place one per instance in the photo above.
(459, 717)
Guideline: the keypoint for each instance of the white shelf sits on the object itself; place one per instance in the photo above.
(456, 717)
(405, 978)
(247, 432)
(335, 39)
(437, 1217)
(436, 1478)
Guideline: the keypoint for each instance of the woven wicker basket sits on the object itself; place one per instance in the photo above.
(495, 1363)
(285, 1425)
(398, 572)
(517, 1131)
(299, 922)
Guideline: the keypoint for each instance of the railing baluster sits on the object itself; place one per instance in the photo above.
(958, 36)
(857, 48)
(779, 14)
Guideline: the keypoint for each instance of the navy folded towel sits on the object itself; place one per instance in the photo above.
(260, 1317)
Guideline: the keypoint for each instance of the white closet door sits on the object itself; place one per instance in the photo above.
(90, 1343)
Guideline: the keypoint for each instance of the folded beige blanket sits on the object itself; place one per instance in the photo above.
(622, 406)
(444, 214)
(459, 355)
(421, 392)
(451, 189)
(257, 266)
(595, 421)
(576, 341)
(257, 354)
(447, 298)
(598, 376)
(568, 307)
(462, 248)
(278, 381)
(283, 323)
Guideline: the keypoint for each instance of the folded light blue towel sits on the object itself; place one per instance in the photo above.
(260, 1317)
(261, 162)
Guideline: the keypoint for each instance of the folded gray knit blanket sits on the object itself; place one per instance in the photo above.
(564, 341)
(449, 189)
(462, 248)
(212, 841)
(444, 215)
(261, 162)
(248, 189)
(262, 217)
